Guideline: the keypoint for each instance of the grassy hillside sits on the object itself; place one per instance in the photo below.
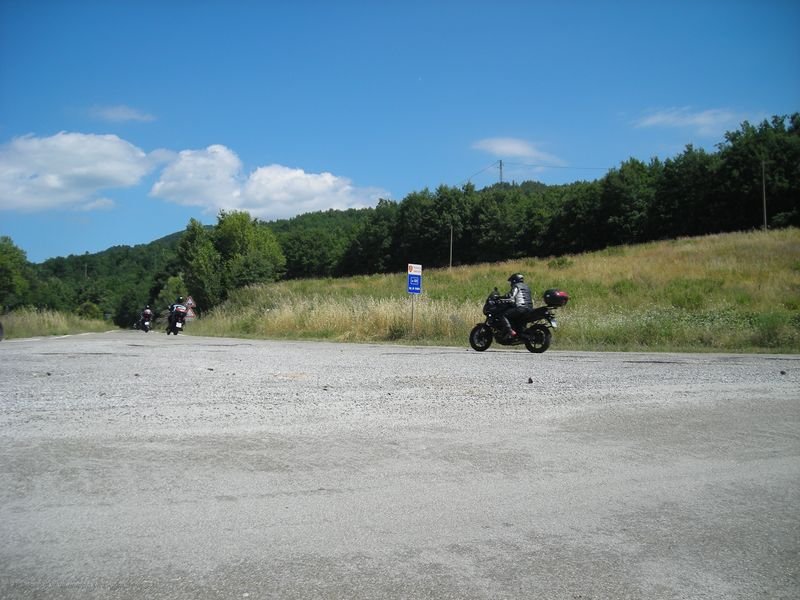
(733, 292)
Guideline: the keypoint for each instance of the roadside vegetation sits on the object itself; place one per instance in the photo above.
(31, 322)
(736, 292)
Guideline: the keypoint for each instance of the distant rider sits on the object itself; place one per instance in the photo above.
(147, 315)
(522, 300)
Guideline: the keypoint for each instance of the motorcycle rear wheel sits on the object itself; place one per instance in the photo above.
(538, 338)
(480, 338)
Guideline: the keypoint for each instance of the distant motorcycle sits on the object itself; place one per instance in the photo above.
(145, 322)
(535, 332)
(176, 319)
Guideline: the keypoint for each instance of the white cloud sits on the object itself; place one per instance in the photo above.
(712, 122)
(505, 147)
(68, 170)
(75, 171)
(285, 191)
(208, 178)
(120, 113)
(99, 204)
(214, 179)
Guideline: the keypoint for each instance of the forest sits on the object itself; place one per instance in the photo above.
(751, 181)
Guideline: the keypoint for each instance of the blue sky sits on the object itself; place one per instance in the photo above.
(121, 120)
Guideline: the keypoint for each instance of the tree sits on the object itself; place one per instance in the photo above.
(202, 265)
(174, 288)
(13, 266)
(422, 232)
(496, 228)
(238, 251)
(53, 293)
(754, 158)
(573, 227)
(454, 207)
(312, 252)
(626, 196)
(373, 247)
(687, 200)
(250, 252)
(128, 309)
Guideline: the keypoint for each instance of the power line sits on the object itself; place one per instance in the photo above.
(501, 164)
(559, 167)
(479, 172)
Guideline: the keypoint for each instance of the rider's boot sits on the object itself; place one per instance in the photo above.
(508, 331)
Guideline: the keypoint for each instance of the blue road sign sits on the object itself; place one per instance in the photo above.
(414, 284)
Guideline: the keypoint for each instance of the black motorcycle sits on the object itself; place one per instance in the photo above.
(176, 319)
(535, 332)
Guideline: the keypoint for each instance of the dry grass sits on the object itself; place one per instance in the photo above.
(31, 322)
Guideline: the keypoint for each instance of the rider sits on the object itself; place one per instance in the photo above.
(178, 303)
(147, 314)
(522, 299)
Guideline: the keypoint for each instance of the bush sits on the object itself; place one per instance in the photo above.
(89, 310)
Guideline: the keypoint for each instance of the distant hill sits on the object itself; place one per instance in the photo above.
(115, 282)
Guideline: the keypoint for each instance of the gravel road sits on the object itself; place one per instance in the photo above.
(144, 466)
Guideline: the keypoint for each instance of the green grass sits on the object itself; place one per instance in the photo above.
(730, 293)
(32, 322)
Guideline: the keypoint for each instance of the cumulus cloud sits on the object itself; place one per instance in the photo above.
(207, 178)
(68, 170)
(505, 147)
(120, 113)
(710, 122)
(214, 179)
(76, 171)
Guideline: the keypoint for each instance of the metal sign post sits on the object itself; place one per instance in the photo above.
(414, 287)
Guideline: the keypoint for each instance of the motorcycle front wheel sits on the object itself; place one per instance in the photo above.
(480, 338)
(538, 338)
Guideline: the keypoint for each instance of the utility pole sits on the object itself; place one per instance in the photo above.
(764, 191)
(451, 243)
(501, 171)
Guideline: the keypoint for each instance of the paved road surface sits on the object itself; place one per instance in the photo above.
(140, 466)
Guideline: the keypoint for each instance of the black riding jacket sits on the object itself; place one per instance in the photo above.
(521, 295)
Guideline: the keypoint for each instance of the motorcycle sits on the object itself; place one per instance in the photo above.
(176, 319)
(145, 322)
(535, 332)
